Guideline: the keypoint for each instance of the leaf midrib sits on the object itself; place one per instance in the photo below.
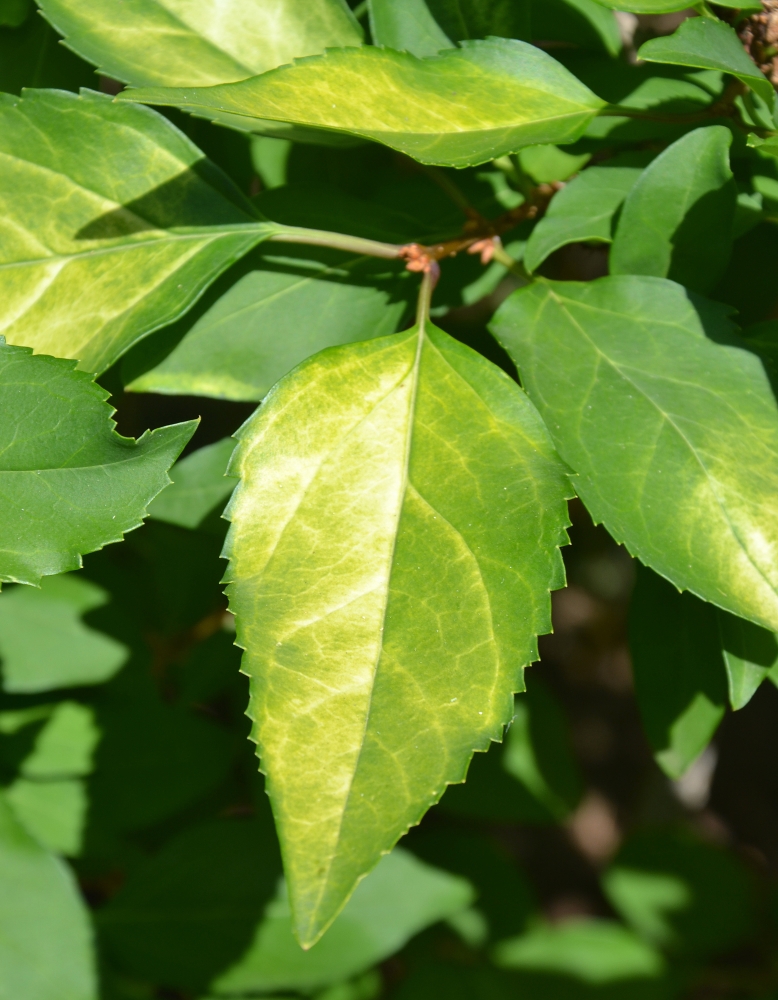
(712, 482)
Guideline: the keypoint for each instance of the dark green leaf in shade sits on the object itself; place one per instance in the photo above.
(31, 57)
(283, 309)
(680, 681)
(179, 44)
(707, 43)
(14, 12)
(435, 460)
(748, 283)
(750, 654)
(674, 437)
(645, 6)
(408, 26)
(398, 899)
(189, 911)
(45, 938)
(677, 219)
(516, 96)
(597, 952)
(145, 240)
(69, 483)
(681, 894)
(200, 482)
(583, 211)
(581, 23)
(45, 645)
(463, 20)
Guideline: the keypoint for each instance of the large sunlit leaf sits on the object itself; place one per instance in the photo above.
(680, 682)
(286, 305)
(112, 223)
(461, 107)
(177, 43)
(45, 938)
(398, 899)
(69, 483)
(677, 220)
(582, 212)
(706, 43)
(390, 570)
(674, 437)
(44, 644)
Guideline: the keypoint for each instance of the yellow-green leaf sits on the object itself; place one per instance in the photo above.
(461, 107)
(395, 535)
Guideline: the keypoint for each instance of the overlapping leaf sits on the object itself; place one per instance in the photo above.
(674, 437)
(111, 224)
(583, 211)
(69, 483)
(199, 484)
(706, 43)
(178, 44)
(394, 539)
(461, 107)
(677, 220)
(408, 26)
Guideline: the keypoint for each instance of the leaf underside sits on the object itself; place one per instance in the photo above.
(144, 241)
(674, 438)
(69, 484)
(462, 107)
(394, 538)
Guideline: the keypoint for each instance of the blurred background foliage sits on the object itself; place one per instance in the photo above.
(571, 864)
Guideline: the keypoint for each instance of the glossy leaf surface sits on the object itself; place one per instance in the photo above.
(45, 645)
(176, 43)
(45, 938)
(145, 240)
(283, 309)
(414, 523)
(398, 899)
(582, 211)
(677, 220)
(680, 682)
(69, 483)
(674, 437)
(199, 484)
(516, 96)
(707, 43)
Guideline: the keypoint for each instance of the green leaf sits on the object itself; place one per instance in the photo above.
(750, 653)
(516, 96)
(45, 938)
(44, 644)
(146, 241)
(680, 893)
(645, 6)
(538, 752)
(582, 212)
(577, 22)
(30, 57)
(435, 462)
(593, 951)
(54, 812)
(398, 899)
(677, 219)
(463, 20)
(14, 12)
(189, 911)
(65, 746)
(200, 483)
(284, 308)
(184, 45)
(706, 43)
(408, 26)
(545, 164)
(673, 437)
(680, 682)
(69, 483)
